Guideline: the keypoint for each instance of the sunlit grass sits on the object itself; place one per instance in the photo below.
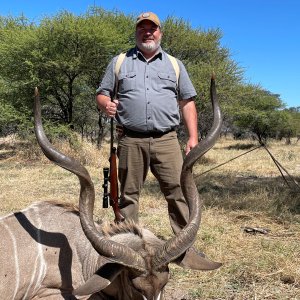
(248, 191)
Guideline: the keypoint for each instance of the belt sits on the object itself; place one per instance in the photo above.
(147, 134)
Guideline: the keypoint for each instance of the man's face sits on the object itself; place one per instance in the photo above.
(148, 36)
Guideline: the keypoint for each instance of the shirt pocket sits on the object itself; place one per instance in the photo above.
(127, 82)
(166, 81)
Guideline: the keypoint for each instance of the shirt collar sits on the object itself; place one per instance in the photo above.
(137, 52)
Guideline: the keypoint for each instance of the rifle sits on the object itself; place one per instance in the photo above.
(111, 175)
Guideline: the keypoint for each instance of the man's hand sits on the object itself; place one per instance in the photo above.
(106, 105)
(111, 108)
(191, 143)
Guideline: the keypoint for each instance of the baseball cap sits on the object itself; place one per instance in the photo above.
(148, 16)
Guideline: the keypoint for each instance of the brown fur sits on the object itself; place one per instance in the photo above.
(68, 207)
(111, 229)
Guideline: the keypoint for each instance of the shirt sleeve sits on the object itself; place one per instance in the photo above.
(185, 86)
(107, 84)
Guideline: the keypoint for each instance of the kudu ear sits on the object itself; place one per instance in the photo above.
(197, 261)
(100, 280)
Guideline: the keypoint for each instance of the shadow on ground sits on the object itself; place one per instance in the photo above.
(268, 194)
(271, 195)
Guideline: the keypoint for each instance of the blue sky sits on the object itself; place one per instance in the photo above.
(263, 35)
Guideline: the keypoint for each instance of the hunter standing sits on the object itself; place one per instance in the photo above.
(146, 106)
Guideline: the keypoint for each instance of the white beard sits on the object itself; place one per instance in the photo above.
(149, 47)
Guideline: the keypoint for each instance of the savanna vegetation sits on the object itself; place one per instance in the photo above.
(246, 193)
(65, 57)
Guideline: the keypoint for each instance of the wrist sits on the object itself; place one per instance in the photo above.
(103, 102)
(193, 137)
(193, 140)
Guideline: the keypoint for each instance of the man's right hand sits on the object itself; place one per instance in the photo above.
(111, 108)
(106, 105)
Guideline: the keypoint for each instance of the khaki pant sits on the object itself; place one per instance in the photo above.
(163, 156)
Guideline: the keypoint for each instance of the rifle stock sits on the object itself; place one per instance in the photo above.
(111, 175)
(114, 189)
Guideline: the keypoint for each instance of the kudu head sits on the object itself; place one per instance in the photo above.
(145, 270)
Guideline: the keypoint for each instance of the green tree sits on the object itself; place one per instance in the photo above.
(10, 119)
(258, 111)
(73, 51)
(202, 53)
(292, 125)
(66, 56)
(14, 34)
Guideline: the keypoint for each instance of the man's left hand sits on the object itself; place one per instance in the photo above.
(190, 145)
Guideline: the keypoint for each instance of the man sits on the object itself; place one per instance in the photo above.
(146, 107)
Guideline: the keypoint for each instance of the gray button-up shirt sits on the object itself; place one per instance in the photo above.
(147, 91)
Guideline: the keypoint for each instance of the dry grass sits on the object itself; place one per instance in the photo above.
(245, 192)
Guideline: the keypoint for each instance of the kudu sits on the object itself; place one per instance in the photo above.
(53, 251)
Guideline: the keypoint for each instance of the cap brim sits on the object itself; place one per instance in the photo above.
(140, 21)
